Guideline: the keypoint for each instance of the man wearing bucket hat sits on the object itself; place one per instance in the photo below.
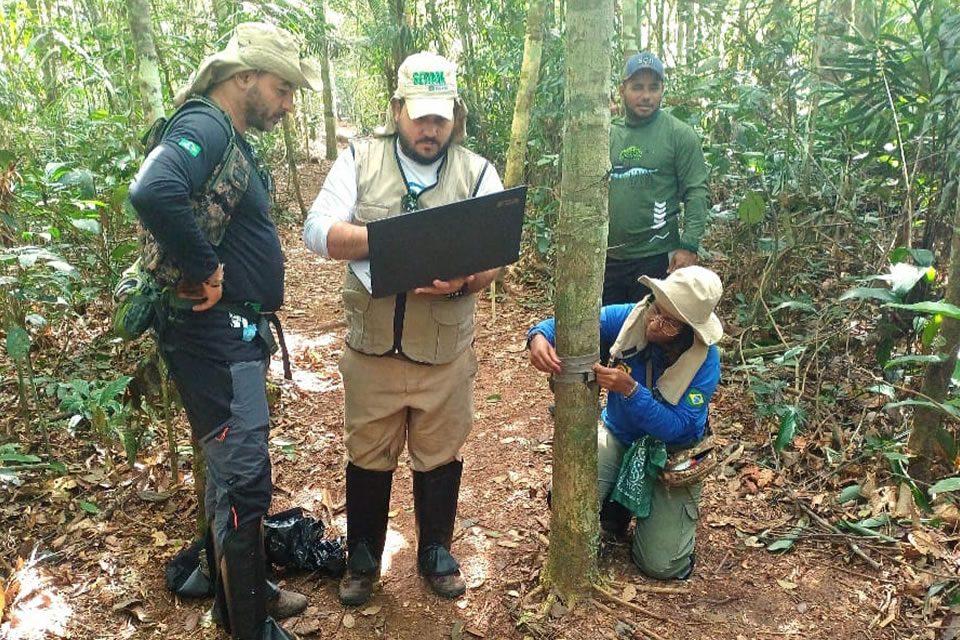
(408, 366)
(204, 201)
(658, 171)
(664, 371)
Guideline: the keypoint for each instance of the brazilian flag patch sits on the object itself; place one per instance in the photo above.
(192, 147)
(695, 398)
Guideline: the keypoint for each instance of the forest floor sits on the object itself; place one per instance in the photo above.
(108, 568)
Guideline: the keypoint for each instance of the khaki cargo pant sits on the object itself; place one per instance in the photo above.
(664, 540)
(389, 401)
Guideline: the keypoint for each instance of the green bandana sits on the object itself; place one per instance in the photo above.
(639, 473)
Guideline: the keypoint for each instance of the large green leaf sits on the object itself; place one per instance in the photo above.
(943, 308)
(789, 422)
(18, 343)
(903, 277)
(87, 224)
(946, 408)
(922, 257)
(752, 208)
(919, 359)
(944, 486)
(869, 293)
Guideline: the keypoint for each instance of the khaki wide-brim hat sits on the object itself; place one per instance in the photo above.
(691, 294)
(257, 46)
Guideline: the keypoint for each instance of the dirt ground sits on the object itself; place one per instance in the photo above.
(110, 567)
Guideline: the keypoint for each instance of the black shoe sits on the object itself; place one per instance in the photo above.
(368, 505)
(435, 495)
(363, 573)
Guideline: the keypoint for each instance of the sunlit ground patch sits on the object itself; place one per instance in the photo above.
(313, 361)
(34, 609)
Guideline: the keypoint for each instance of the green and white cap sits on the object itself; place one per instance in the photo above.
(427, 83)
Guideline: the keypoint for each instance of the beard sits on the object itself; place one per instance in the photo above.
(419, 158)
(257, 113)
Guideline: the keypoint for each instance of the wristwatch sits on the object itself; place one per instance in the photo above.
(459, 293)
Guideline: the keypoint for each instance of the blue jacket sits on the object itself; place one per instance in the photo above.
(646, 413)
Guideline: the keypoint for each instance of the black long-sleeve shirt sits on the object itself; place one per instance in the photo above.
(250, 250)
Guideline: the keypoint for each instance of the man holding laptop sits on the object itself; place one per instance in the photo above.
(408, 367)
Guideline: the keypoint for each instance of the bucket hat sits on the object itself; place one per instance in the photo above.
(259, 46)
(691, 294)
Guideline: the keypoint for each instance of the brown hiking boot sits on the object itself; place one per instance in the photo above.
(451, 586)
(286, 605)
(356, 588)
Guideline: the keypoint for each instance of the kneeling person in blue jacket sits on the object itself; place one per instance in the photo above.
(664, 369)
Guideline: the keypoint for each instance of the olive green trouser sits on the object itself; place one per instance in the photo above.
(664, 541)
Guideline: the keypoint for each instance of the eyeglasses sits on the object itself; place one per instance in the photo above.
(408, 203)
(665, 324)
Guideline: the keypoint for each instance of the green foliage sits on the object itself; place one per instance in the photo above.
(98, 404)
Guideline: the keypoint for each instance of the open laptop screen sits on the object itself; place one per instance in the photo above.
(413, 249)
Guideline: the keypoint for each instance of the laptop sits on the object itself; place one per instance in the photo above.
(413, 249)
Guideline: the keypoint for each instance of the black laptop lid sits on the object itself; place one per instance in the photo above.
(458, 239)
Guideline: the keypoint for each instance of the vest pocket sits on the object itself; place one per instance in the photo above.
(454, 319)
(355, 306)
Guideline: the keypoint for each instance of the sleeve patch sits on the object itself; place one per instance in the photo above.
(695, 398)
(192, 147)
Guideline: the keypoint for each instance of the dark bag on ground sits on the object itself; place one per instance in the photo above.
(292, 541)
(296, 542)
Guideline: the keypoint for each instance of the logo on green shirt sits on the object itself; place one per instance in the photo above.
(633, 153)
(192, 147)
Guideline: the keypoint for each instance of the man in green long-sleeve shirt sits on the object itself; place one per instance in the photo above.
(657, 166)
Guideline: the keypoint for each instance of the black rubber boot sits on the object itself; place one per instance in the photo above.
(243, 575)
(368, 503)
(435, 495)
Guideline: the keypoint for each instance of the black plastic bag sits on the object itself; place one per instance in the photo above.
(291, 541)
(295, 541)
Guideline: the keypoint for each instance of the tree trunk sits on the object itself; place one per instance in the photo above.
(631, 29)
(581, 247)
(292, 163)
(148, 72)
(529, 78)
(436, 27)
(936, 381)
(329, 108)
(817, 45)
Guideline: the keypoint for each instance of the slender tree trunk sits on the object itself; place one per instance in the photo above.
(329, 110)
(936, 380)
(817, 44)
(529, 78)
(631, 28)
(292, 163)
(436, 27)
(467, 76)
(148, 73)
(581, 247)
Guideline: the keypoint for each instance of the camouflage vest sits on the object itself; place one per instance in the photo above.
(213, 203)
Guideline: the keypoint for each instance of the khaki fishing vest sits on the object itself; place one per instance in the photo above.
(425, 328)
